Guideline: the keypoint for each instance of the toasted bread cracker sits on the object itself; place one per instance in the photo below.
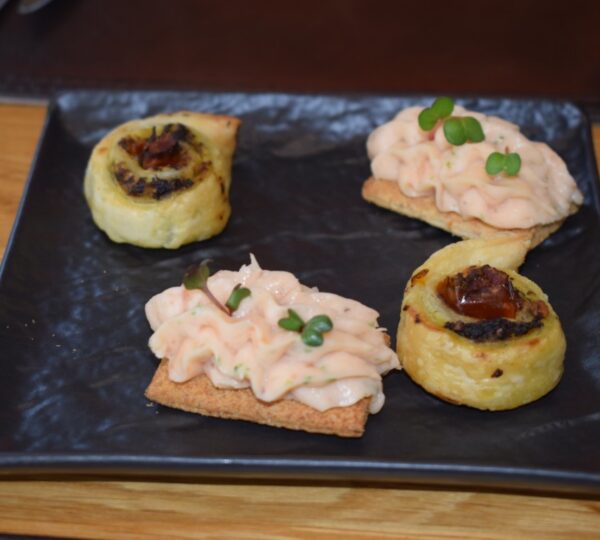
(198, 395)
(387, 194)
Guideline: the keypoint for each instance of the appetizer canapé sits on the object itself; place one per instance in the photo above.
(470, 174)
(475, 332)
(163, 181)
(258, 345)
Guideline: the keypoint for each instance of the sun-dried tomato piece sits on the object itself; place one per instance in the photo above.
(481, 292)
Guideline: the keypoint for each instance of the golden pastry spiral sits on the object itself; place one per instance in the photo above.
(475, 332)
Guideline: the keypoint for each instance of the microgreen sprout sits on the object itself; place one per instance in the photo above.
(461, 129)
(457, 129)
(196, 277)
(236, 296)
(311, 332)
(292, 322)
(442, 107)
(509, 163)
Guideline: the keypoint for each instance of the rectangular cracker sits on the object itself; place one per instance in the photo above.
(387, 194)
(198, 395)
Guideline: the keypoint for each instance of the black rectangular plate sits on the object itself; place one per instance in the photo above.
(75, 360)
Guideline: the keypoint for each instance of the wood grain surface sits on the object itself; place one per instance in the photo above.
(117, 508)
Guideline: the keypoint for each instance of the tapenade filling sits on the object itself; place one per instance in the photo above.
(488, 294)
(158, 151)
(174, 148)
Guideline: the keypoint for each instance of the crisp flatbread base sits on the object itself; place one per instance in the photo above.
(198, 395)
(387, 194)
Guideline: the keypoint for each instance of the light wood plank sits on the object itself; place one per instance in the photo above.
(100, 509)
(20, 127)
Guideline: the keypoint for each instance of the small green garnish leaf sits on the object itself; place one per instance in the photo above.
(458, 130)
(320, 324)
(497, 162)
(311, 332)
(312, 338)
(441, 108)
(461, 129)
(312, 335)
(455, 131)
(473, 129)
(197, 275)
(427, 119)
(236, 296)
(292, 322)
(513, 164)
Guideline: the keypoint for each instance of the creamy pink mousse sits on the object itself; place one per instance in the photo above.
(249, 350)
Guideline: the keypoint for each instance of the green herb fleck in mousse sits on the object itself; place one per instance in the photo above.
(196, 277)
(457, 129)
(241, 370)
(509, 163)
(310, 332)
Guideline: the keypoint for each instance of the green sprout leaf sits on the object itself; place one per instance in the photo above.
(460, 129)
(513, 164)
(495, 163)
(442, 107)
(312, 338)
(197, 275)
(236, 296)
(312, 335)
(473, 129)
(320, 324)
(311, 332)
(293, 322)
(455, 131)
(427, 119)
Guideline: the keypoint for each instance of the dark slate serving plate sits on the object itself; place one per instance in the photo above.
(73, 333)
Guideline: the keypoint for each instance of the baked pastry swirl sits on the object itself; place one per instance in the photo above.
(475, 332)
(163, 181)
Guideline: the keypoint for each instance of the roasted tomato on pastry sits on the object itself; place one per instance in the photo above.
(475, 332)
(163, 181)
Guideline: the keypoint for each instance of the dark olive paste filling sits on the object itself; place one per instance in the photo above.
(154, 153)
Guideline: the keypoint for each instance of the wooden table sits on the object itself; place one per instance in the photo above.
(111, 508)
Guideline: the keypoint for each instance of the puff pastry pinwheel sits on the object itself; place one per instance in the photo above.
(163, 181)
(475, 332)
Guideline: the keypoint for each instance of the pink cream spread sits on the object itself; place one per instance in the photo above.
(249, 350)
(424, 163)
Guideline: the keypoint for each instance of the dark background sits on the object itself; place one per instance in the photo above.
(515, 48)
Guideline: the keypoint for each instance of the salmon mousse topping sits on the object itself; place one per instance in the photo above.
(264, 330)
(475, 165)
